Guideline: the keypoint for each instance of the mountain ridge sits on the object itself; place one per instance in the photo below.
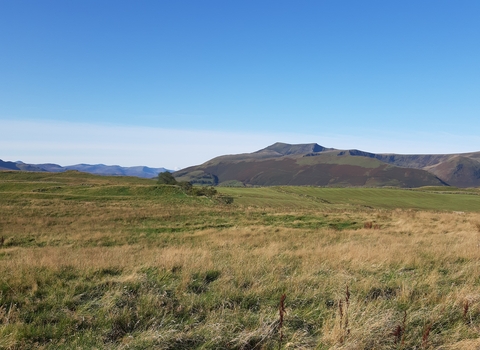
(312, 164)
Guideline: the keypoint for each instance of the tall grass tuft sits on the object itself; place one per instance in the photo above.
(425, 335)
(399, 332)
(281, 312)
(466, 306)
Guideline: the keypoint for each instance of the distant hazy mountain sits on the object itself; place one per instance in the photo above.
(312, 164)
(18, 166)
(99, 169)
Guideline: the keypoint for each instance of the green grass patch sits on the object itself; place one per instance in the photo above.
(311, 197)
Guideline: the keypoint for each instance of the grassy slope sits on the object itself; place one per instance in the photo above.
(121, 263)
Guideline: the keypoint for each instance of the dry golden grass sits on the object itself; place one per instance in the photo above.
(145, 273)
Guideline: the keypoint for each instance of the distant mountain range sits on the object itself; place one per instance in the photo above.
(312, 164)
(98, 169)
(304, 164)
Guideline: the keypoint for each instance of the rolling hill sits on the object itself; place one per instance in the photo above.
(312, 164)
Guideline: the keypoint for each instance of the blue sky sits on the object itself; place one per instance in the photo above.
(174, 83)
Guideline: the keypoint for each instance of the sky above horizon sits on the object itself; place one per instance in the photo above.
(175, 83)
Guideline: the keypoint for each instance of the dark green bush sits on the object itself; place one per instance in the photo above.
(166, 178)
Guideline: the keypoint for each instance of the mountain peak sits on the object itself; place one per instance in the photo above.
(289, 149)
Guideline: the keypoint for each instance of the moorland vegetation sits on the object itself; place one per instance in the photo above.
(127, 263)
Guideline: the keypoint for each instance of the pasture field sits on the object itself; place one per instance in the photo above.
(91, 262)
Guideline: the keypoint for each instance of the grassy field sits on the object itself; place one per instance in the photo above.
(89, 262)
(441, 198)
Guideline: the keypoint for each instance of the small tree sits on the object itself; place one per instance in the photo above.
(166, 178)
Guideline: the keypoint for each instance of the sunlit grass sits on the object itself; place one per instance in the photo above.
(133, 265)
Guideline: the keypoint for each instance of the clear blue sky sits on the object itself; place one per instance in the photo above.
(82, 81)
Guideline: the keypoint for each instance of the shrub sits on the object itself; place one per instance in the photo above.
(225, 199)
(204, 191)
(166, 178)
(186, 186)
